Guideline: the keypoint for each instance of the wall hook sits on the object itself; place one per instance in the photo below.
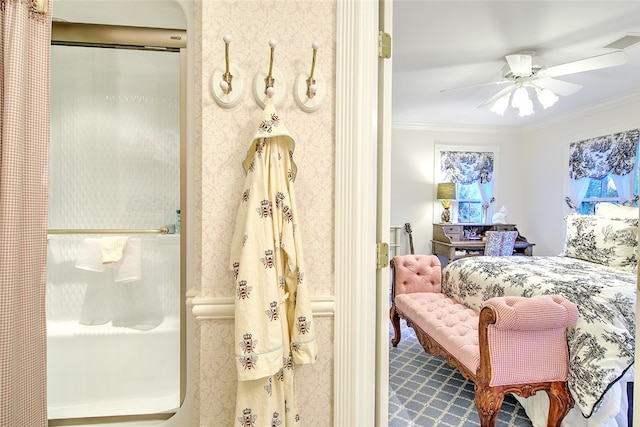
(227, 77)
(310, 91)
(311, 83)
(226, 90)
(268, 81)
(274, 87)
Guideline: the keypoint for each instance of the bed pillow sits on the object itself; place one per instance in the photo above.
(608, 241)
(613, 210)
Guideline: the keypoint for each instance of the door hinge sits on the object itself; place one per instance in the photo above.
(384, 45)
(382, 255)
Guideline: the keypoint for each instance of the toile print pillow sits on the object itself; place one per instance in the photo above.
(608, 241)
(614, 210)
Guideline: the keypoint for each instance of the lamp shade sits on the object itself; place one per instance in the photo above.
(501, 104)
(522, 102)
(446, 191)
(520, 99)
(546, 97)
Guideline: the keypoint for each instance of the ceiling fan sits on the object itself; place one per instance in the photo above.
(526, 70)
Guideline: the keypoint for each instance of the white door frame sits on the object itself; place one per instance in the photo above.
(385, 70)
(355, 213)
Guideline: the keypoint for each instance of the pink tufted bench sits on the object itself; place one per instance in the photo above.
(514, 345)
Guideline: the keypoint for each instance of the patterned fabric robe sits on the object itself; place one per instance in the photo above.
(274, 328)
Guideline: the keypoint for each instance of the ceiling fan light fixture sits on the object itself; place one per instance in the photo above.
(522, 102)
(546, 97)
(526, 70)
(501, 104)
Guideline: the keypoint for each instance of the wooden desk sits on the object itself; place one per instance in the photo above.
(454, 241)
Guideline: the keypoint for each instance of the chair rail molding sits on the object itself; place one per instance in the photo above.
(217, 308)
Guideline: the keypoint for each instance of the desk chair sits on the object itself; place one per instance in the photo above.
(500, 243)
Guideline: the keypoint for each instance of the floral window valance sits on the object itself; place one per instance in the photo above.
(466, 167)
(597, 157)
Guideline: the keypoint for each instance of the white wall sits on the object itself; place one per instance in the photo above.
(530, 170)
(546, 148)
(413, 175)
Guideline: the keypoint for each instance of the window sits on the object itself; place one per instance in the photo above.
(472, 171)
(603, 169)
(469, 204)
(601, 190)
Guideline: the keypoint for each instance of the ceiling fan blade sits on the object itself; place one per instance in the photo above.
(559, 87)
(520, 65)
(587, 64)
(501, 82)
(498, 95)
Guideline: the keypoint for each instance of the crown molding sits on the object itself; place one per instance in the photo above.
(458, 128)
(600, 106)
(597, 107)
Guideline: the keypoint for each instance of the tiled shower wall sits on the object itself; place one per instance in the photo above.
(115, 138)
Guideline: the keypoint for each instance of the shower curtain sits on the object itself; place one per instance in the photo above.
(25, 39)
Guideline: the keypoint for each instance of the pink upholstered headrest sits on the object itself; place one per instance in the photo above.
(417, 273)
(534, 313)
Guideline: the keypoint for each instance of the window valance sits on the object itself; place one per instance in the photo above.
(597, 157)
(466, 167)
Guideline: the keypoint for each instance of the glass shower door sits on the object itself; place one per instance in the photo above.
(113, 268)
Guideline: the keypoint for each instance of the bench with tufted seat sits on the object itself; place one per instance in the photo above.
(514, 345)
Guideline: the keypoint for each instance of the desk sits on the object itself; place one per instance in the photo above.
(454, 241)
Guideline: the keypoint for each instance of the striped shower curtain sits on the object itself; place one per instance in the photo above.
(25, 40)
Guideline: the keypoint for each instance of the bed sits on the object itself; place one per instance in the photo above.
(596, 271)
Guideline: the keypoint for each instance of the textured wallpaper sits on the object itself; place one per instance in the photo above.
(226, 133)
(225, 138)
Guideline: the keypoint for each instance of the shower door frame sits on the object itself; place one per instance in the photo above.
(153, 39)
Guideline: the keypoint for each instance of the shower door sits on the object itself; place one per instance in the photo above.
(114, 304)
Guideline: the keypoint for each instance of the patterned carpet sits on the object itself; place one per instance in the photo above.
(426, 392)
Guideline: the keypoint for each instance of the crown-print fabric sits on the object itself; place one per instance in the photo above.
(274, 328)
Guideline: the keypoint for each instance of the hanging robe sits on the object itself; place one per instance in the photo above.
(274, 329)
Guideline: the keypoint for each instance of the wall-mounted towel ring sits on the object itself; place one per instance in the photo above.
(226, 83)
(269, 86)
(309, 91)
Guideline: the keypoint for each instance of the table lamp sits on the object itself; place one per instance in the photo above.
(446, 192)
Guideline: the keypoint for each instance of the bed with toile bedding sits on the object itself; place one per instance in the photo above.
(597, 271)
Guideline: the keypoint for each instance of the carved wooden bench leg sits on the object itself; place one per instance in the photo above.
(488, 403)
(560, 402)
(395, 322)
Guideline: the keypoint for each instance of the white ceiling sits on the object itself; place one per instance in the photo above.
(438, 45)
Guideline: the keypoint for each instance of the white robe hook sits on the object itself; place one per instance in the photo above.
(227, 77)
(309, 91)
(311, 83)
(227, 84)
(268, 81)
(274, 88)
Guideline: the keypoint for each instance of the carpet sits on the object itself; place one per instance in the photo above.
(424, 391)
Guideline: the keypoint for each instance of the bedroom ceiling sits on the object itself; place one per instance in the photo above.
(439, 45)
